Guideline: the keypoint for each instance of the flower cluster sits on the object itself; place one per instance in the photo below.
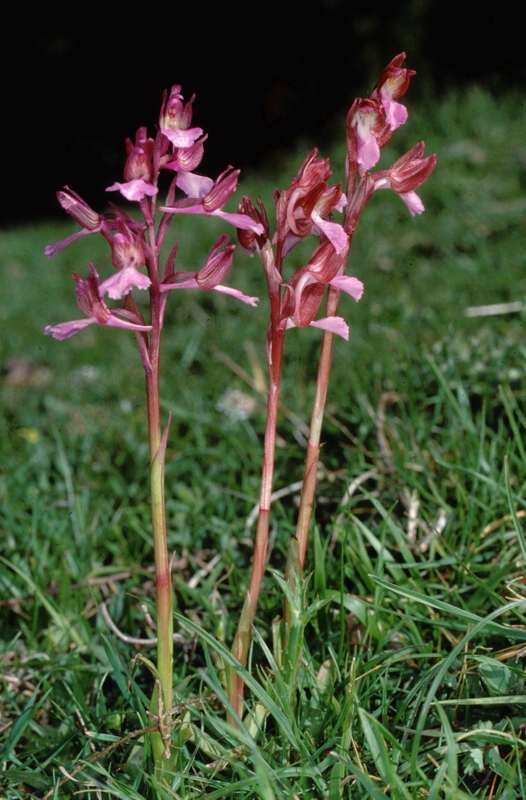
(370, 124)
(308, 206)
(136, 246)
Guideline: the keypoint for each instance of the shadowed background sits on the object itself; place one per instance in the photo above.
(75, 86)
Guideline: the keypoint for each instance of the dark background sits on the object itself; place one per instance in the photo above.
(75, 85)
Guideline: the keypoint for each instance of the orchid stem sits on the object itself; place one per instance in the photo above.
(313, 445)
(243, 637)
(164, 614)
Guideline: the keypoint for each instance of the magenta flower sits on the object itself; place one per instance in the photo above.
(406, 175)
(82, 213)
(208, 197)
(175, 119)
(250, 241)
(90, 301)
(394, 82)
(371, 121)
(306, 287)
(368, 131)
(185, 159)
(91, 221)
(216, 266)
(301, 209)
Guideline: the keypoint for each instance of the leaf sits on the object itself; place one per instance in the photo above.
(474, 761)
(497, 678)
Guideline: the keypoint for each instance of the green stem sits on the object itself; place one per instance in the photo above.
(162, 565)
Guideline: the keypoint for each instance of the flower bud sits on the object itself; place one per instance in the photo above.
(217, 264)
(79, 210)
(394, 80)
(139, 162)
(248, 239)
(175, 114)
(223, 187)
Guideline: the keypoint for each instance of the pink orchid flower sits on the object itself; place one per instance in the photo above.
(90, 300)
(406, 175)
(208, 197)
(394, 82)
(306, 287)
(175, 119)
(209, 276)
(371, 129)
(82, 213)
(301, 209)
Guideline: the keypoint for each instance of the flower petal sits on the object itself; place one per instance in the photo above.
(66, 329)
(332, 230)
(413, 203)
(51, 249)
(134, 190)
(352, 286)
(194, 185)
(180, 138)
(123, 282)
(335, 325)
(251, 301)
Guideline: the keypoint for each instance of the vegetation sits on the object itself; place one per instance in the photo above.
(405, 678)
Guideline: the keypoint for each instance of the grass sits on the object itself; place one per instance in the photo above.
(411, 683)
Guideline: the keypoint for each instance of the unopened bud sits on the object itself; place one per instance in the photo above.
(79, 210)
(223, 187)
(217, 264)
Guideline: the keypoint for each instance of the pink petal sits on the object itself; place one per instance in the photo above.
(252, 301)
(242, 221)
(51, 249)
(180, 138)
(123, 282)
(335, 325)
(368, 151)
(352, 286)
(334, 232)
(194, 185)
(396, 113)
(66, 329)
(134, 190)
(413, 203)
(238, 220)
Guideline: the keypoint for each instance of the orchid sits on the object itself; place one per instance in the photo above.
(209, 276)
(135, 190)
(175, 119)
(310, 209)
(90, 300)
(371, 121)
(305, 289)
(208, 197)
(302, 209)
(136, 245)
(394, 82)
(407, 174)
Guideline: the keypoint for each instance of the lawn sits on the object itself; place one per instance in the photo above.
(412, 623)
